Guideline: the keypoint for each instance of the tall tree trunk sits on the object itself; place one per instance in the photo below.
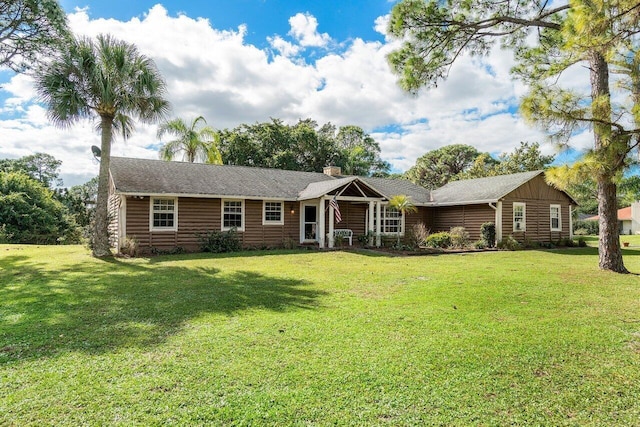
(610, 253)
(101, 246)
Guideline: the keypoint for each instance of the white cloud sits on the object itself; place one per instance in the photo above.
(218, 74)
(304, 28)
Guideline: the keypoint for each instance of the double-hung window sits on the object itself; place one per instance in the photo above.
(391, 222)
(519, 217)
(556, 218)
(272, 213)
(233, 215)
(164, 214)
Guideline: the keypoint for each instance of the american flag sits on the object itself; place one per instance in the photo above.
(336, 209)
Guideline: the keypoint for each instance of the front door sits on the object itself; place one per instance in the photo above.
(310, 223)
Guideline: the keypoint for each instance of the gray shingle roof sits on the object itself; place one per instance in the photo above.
(480, 190)
(156, 177)
(143, 176)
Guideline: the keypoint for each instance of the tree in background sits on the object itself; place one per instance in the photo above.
(524, 158)
(80, 201)
(30, 29)
(304, 146)
(437, 167)
(196, 143)
(29, 212)
(108, 79)
(39, 166)
(597, 33)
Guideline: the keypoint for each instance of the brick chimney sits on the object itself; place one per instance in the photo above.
(332, 170)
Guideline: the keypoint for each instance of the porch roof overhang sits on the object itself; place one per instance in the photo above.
(348, 186)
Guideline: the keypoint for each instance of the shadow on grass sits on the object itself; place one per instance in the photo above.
(102, 305)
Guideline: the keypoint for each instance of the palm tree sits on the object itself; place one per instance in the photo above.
(106, 79)
(195, 144)
(402, 204)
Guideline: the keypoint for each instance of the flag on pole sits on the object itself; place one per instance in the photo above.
(336, 209)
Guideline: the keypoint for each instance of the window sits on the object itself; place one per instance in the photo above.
(519, 217)
(556, 218)
(272, 213)
(392, 220)
(233, 215)
(164, 214)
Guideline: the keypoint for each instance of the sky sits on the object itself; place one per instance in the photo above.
(247, 61)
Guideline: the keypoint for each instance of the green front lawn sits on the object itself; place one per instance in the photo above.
(320, 338)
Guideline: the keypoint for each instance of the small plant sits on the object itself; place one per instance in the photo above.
(488, 234)
(365, 239)
(439, 240)
(459, 237)
(219, 241)
(582, 243)
(510, 244)
(338, 240)
(289, 243)
(480, 244)
(130, 246)
(419, 234)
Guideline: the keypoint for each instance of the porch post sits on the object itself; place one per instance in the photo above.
(378, 224)
(371, 207)
(331, 219)
(498, 221)
(321, 223)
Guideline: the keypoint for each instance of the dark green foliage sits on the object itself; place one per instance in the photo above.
(30, 214)
(437, 167)
(80, 200)
(488, 234)
(582, 243)
(591, 227)
(304, 146)
(39, 166)
(219, 241)
(438, 240)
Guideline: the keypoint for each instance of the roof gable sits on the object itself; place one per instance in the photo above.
(480, 190)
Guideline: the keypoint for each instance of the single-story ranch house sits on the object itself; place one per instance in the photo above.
(165, 204)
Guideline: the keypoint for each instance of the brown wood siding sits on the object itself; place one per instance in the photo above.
(538, 197)
(256, 235)
(471, 217)
(199, 215)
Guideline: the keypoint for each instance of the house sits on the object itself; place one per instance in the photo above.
(165, 204)
(628, 219)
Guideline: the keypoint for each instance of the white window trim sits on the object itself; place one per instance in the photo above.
(524, 217)
(175, 214)
(559, 207)
(264, 213)
(242, 216)
(383, 212)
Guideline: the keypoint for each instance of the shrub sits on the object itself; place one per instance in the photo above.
(438, 240)
(480, 244)
(459, 237)
(581, 232)
(219, 241)
(582, 242)
(130, 246)
(488, 234)
(419, 234)
(592, 228)
(510, 244)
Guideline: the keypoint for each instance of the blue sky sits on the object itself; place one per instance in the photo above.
(248, 61)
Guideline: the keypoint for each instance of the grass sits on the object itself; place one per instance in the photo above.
(319, 338)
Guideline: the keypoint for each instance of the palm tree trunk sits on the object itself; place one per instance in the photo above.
(610, 253)
(101, 246)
